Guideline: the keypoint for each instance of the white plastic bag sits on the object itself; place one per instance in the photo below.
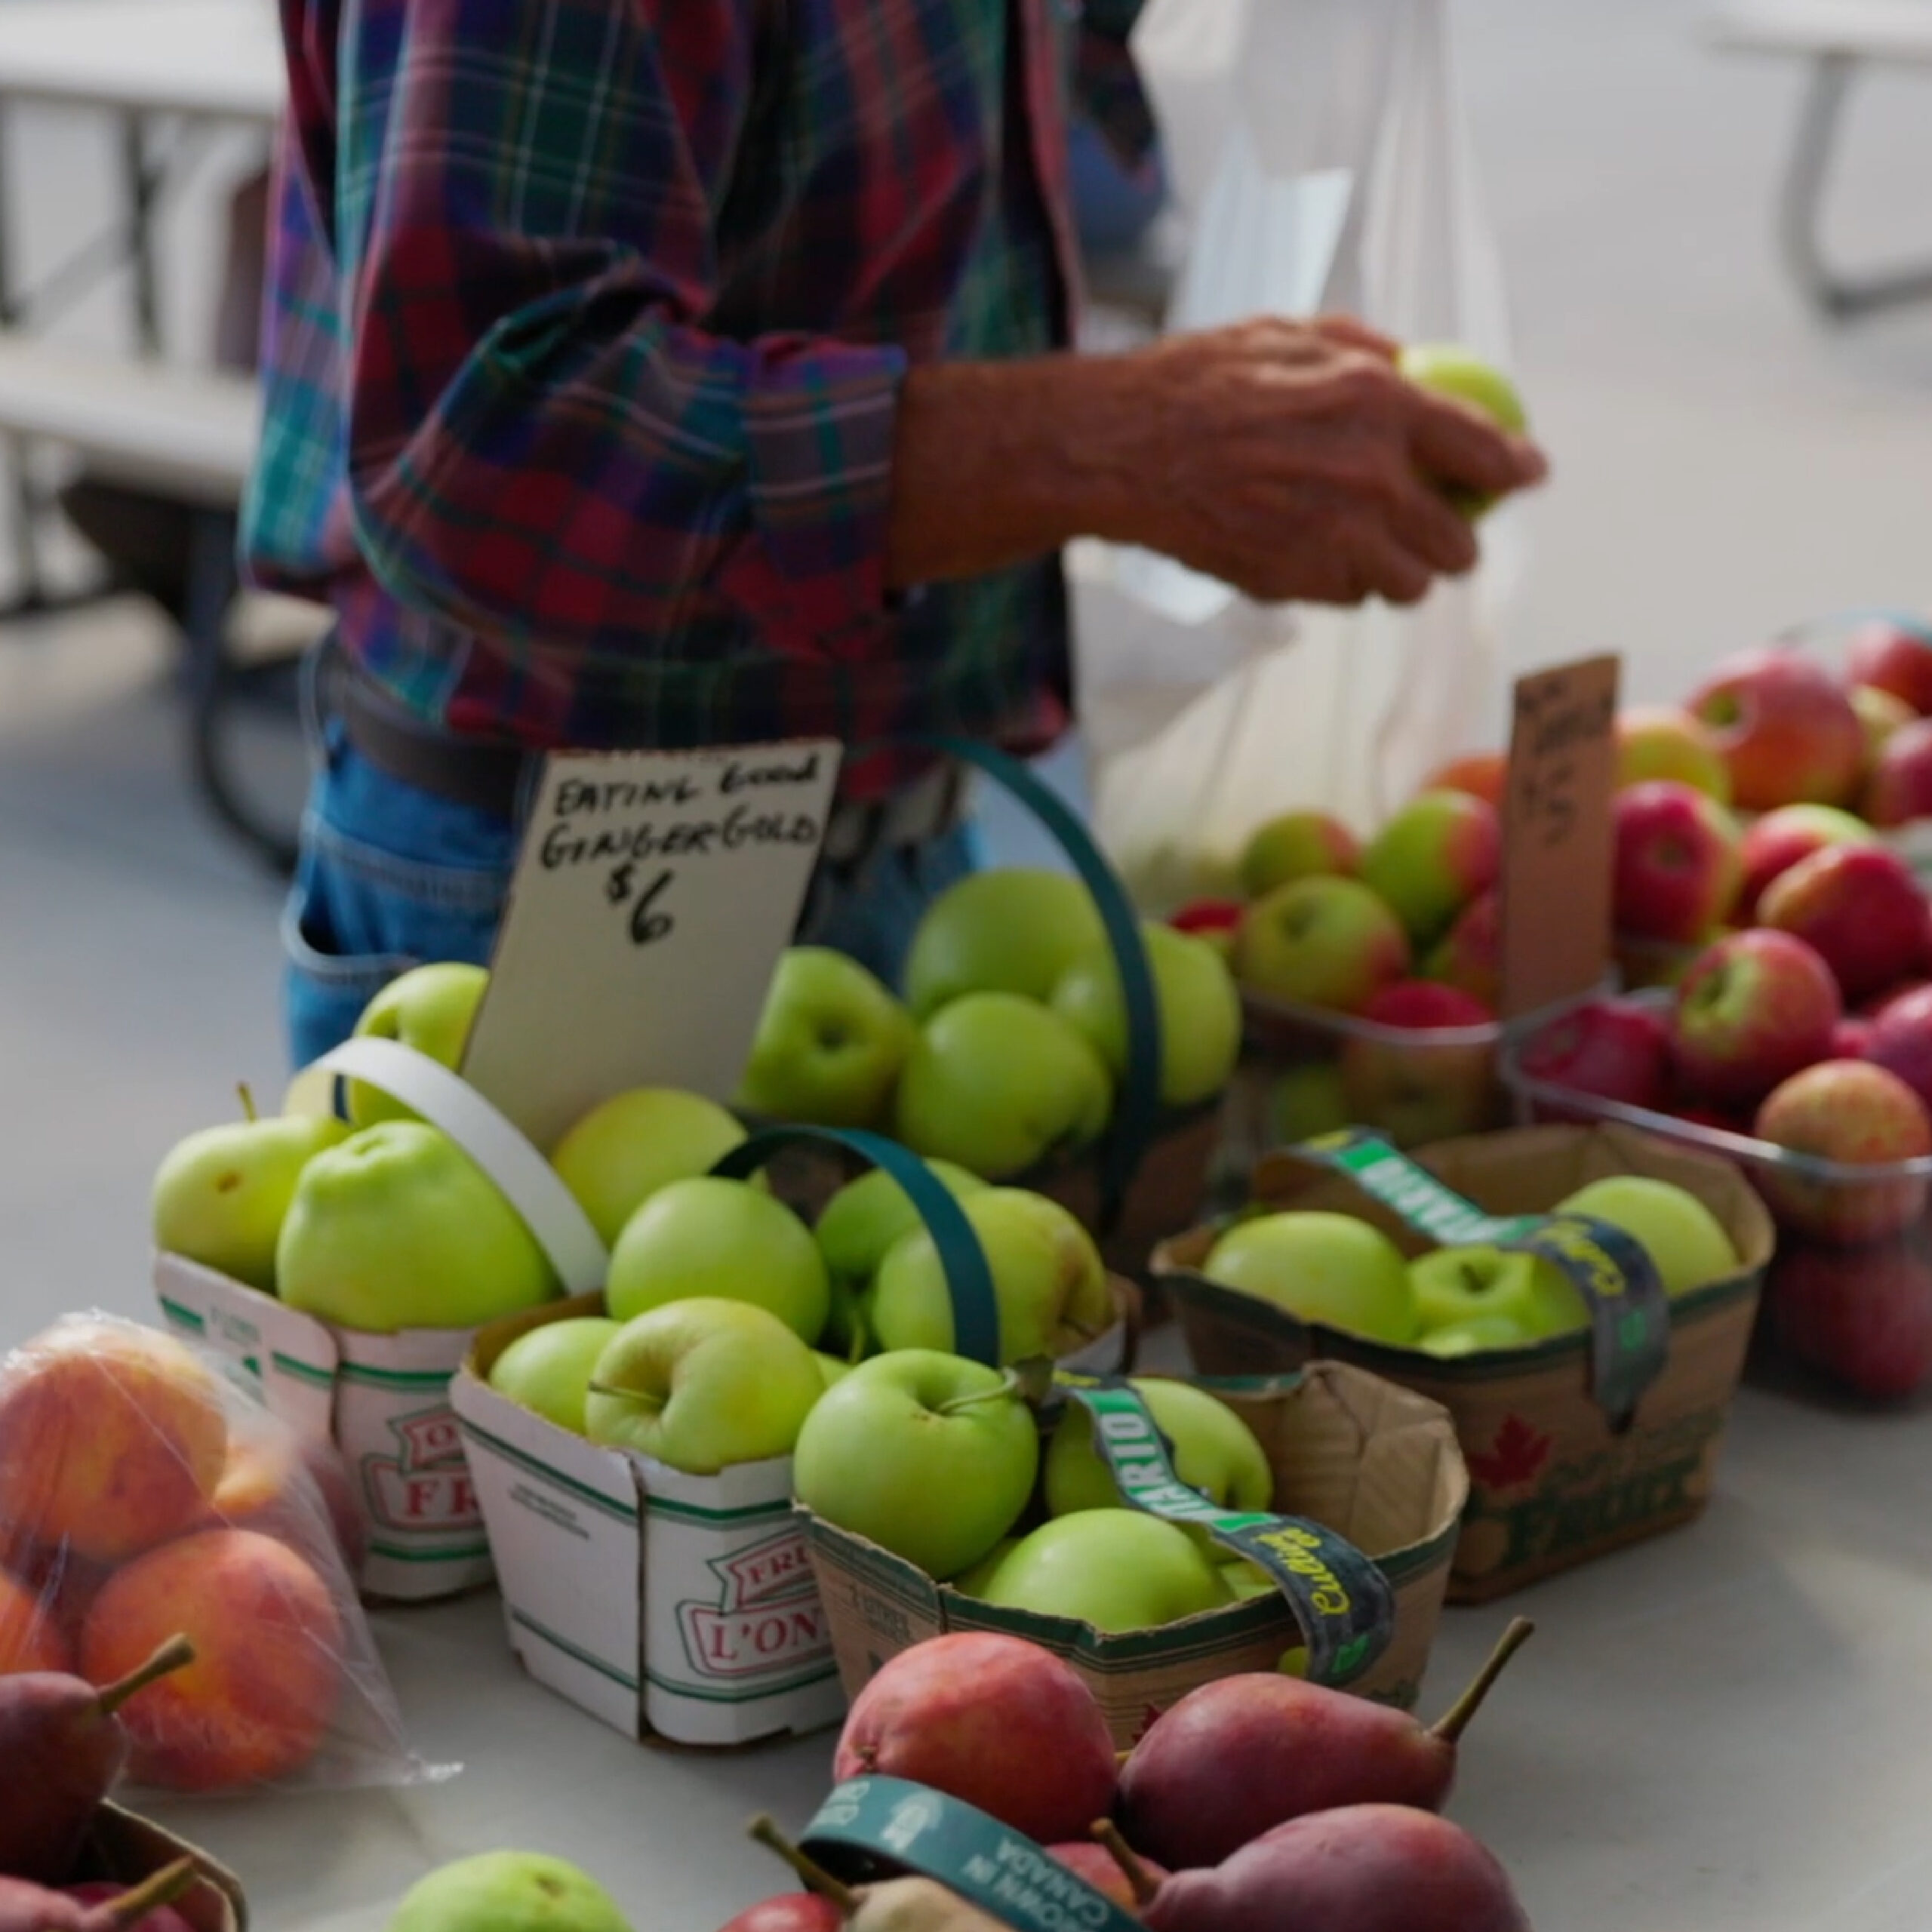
(1318, 156)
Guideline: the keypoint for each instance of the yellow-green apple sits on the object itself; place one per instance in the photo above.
(1677, 862)
(1469, 955)
(1484, 775)
(1199, 1007)
(1854, 1115)
(1454, 1286)
(1446, 368)
(1330, 1268)
(1882, 717)
(1752, 1008)
(1013, 931)
(1297, 845)
(1213, 1450)
(830, 1042)
(1900, 789)
(548, 1369)
(726, 1238)
(628, 1147)
(1775, 843)
(428, 1008)
(1859, 907)
(867, 1217)
(1438, 852)
(1478, 1335)
(1862, 1318)
(992, 1720)
(1307, 1100)
(399, 1228)
(703, 1384)
(1428, 1071)
(1323, 942)
(930, 1455)
(830, 1367)
(525, 1891)
(1048, 1279)
(1612, 1049)
(970, 1581)
(1686, 1242)
(1245, 1579)
(1894, 657)
(1786, 732)
(220, 1196)
(1117, 1569)
(999, 1083)
(1899, 1038)
(1660, 741)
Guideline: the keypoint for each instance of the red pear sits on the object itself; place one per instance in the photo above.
(1111, 1866)
(790, 1912)
(26, 1907)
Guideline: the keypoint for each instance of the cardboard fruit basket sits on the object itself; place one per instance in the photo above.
(1554, 1480)
(1374, 1462)
(126, 1848)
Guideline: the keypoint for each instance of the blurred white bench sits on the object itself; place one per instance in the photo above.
(1836, 39)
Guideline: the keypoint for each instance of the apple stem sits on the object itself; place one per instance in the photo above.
(636, 1395)
(1009, 1386)
(1454, 1721)
(174, 1655)
(157, 1889)
(247, 1093)
(1141, 1881)
(814, 1876)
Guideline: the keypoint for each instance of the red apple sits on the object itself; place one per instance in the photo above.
(1864, 1319)
(1880, 1004)
(1613, 1049)
(1883, 717)
(1677, 862)
(1853, 1114)
(1470, 956)
(1208, 916)
(1851, 1037)
(1859, 907)
(1784, 729)
(1899, 1039)
(1900, 789)
(1892, 657)
(1431, 1087)
(1712, 1118)
(1780, 839)
(790, 1912)
(1752, 1010)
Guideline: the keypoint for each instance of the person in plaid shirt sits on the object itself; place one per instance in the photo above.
(683, 372)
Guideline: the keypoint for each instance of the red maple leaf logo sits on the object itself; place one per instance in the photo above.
(1517, 1456)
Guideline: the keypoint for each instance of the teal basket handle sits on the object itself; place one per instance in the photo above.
(968, 1279)
(1842, 620)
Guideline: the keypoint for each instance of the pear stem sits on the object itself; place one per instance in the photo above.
(816, 1877)
(1454, 1721)
(248, 1097)
(1009, 1385)
(1141, 1881)
(174, 1655)
(157, 1889)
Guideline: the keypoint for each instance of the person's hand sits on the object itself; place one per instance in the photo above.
(1292, 461)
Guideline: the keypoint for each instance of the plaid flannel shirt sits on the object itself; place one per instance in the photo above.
(585, 326)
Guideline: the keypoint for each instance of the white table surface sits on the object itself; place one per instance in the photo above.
(218, 59)
(1725, 1729)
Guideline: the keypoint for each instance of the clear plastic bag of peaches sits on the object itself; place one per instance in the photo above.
(146, 1496)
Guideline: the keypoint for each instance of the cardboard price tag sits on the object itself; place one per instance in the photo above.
(653, 896)
(1340, 1598)
(1556, 834)
(1629, 1311)
(879, 1827)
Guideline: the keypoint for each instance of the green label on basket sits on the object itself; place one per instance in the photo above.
(876, 1827)
(1629, 1311)
(1340, 1599)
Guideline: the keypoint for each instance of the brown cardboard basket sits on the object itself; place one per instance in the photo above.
(1373, 1462)
(1552, 1483)
(126, 1849)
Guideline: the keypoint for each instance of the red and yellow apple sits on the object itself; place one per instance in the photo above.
(1861, 908)
(1752, 1010)
(1415, 1088)
(1862, 1319)
(1900, 789)
(1677, 862)
(1323, 942)
(1469, 956)
(1661, 741)
(1297, 845)
(1854, 1114)
(1895, 657)
(1613, 1050)
(1435, 854)
(1786, 732)
(1775, 843)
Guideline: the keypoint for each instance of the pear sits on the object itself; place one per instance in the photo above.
(1244, 1753)
(508, 1891)
(27, 1907)
(1112, 1866)
(61, 1749)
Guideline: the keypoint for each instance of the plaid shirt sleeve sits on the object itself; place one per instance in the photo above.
(542, 444)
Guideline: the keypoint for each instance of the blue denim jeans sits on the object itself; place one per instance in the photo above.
(390, 876)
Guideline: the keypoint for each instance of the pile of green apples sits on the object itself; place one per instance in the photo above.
(1344, 1274)
(1008, 1048)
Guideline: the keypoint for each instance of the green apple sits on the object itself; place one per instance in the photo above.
(1117, 1569)
(1298, 845)
(1449, 370)
(1455, 1285)
(703, 1384)
(548, 1369)
(1323, 942)
(1474, 1335)
(727, 1238)
(399, 1228)
(1048, 1279)
(1014, 930)
(1686, 1242)
(1307, 1100)
(998, 1083)
(1330, 1268)
(927, 1455)
(220, 1195)
(1195, 995)
(972, 1583)
(1440, 851)
(1245, 1579)
(831, 1368)
(625, 1149)
(830, 1042)
(867, 1217)
(430, 1008)
(507, 1891)
(1213, 1450)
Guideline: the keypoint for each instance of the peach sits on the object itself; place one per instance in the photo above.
(297, 1492)
(1481, 775)
(256, 1703)
(30, 1635)
(112, 1439)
